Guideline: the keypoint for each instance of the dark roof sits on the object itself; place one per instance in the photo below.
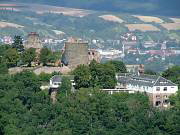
(164, 82)
(56, 78)
(144, 80)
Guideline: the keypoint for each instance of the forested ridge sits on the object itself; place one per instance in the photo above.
(27, 110)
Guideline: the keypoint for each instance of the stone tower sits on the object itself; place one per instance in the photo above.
(33, 41)
(75, 53)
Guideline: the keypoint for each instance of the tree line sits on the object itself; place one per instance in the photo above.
(16, 55)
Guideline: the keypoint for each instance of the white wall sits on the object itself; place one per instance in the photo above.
(170, 89)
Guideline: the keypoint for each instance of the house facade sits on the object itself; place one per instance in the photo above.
(157, 88)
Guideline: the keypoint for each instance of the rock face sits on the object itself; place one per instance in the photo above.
(33, 41)
(75, 53)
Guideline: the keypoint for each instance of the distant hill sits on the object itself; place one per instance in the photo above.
(49, 21)
(146, 7)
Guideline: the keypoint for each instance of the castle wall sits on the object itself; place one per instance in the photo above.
(76, 53)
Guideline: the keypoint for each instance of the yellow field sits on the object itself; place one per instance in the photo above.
(171, 26)
(7, 24)
(41, 9)
(111, 18)
(142, 27)
(149, 19)
(176, 20)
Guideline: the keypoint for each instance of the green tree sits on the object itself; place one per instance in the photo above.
(82, 76)
(29, 56)
(120, 67)
(11, 57)
(102, 75)
(44, 55)
(18, 43)
(150, 72)
(173, 74)
(66, 86)
(3, 68)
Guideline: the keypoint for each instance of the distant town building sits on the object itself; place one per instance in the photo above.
(7, 40)
(110, 54)
(135, 68)
(148, 44)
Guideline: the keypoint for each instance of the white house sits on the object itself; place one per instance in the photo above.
(157, 88)
(56, 80)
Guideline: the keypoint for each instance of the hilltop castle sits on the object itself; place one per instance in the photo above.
(76, 53)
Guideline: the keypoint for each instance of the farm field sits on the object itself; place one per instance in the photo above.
(171, 26)
(111, 18)
(176, 20)
(142, 27)
(7, 24)
(41, 9)
(149, 19)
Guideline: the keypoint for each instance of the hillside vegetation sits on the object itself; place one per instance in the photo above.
(85, 23)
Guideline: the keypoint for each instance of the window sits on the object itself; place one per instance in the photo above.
(157, 88)
(165, 101)
(172, 87)
(157, 96)
(165, 89)
(165, 96)
(158, 103)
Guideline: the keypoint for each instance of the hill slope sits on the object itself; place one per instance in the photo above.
(148, 7)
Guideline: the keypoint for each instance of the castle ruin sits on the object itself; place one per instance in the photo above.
(33, 41)
(75, 53)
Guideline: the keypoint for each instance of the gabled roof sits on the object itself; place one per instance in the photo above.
(144, 80)
(164, 82)
(58, 78)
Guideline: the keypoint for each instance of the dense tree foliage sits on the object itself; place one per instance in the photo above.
(173, 74)
(82, 76)
(18, 44)
(66, 86)
(26, 110)
(45, 52)
(150, 72)
(95, 75)
(29, 56)
(11, 57)
(120, 67)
